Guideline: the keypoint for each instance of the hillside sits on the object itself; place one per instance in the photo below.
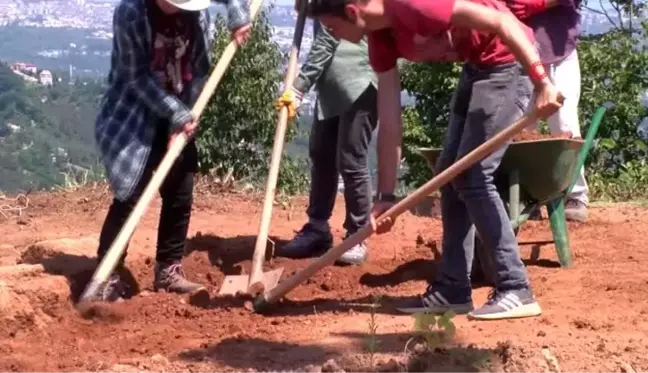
(44, 132)
(46, 263)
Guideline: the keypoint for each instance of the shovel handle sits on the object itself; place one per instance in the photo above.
(256, 284)
(109, 262)
(411, 200)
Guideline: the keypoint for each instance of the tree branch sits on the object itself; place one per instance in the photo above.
(605, 13)
(618, 8)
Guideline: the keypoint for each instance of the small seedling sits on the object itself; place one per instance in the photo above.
(372, 340)
(434, 329)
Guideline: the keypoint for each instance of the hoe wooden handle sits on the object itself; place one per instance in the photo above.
(255, 284)
(413, 199)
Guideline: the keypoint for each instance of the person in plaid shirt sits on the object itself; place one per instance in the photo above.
(160, 62)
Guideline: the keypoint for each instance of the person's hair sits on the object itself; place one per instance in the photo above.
(318, 8)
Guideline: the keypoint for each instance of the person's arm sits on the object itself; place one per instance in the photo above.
(319, 58)
(504, 25)
(390, 131)
(238, 13)
(133, 67)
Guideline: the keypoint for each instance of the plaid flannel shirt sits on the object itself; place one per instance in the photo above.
(135, 103)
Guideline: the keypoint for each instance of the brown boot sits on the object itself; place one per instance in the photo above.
(171, 278)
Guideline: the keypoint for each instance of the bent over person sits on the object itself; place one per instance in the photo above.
(344, 122)
(160, 62)
(501, 69)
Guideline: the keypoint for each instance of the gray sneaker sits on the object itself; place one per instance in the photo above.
(172, 279)
(439, 301)
(355, 255)
(507, 305)
(575, 210)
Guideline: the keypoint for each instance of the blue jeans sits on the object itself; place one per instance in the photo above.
(486, 101)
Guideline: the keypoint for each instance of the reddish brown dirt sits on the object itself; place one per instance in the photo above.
(594, 314)
(533, 135)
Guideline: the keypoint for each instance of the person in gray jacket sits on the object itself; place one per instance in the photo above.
(346, 116)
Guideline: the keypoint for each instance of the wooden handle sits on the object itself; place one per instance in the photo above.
(255, 284)
(413, 199)
(107, 265)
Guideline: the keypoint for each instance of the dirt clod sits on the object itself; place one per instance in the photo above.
(331, 366)
(100, 311)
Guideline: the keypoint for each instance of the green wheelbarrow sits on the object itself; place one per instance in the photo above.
(533, 174)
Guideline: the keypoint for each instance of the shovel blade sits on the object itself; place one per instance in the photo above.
(235, 284)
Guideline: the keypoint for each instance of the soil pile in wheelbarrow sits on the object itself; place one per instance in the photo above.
(530, 136)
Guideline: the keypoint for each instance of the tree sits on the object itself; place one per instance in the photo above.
(238, 126)
(614, 70)
(425, 122)
(621, 14)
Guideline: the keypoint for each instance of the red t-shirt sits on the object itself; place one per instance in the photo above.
(421, 32)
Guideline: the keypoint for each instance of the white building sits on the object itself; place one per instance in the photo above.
(46, 78)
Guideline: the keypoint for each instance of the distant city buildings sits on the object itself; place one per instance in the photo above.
(46, 78)
(30, 74)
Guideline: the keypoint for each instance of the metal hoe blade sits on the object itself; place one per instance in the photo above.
(236, 284)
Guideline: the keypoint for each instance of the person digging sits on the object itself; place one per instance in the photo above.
(345, 119)
(501, 68)
(557, 26)
(160, 62)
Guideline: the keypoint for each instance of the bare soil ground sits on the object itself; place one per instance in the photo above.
(594, 314)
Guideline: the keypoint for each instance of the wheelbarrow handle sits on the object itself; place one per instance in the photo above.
(109, 262)
(411, 200)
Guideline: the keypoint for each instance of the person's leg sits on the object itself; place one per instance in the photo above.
(499, 97)
(315, 236)
(354, 136)
(118, 212)
(175, 215)
(566, 76)
(451, 290)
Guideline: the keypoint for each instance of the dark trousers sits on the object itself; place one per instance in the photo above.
(177, 197)
(340, 145)
(487, 101)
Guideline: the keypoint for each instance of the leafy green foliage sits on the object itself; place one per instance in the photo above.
(613, 70)
(238, 127)
(435, 329)
(46, 133)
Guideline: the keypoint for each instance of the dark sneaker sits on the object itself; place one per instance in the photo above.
(355, 255)
(439, 302)
(575, 210)
(507, 304)
(308, 242)
(172, 279)
(112, 290)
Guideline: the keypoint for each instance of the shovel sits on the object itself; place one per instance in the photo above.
(258, 280)
(467, 161)
(107, 265)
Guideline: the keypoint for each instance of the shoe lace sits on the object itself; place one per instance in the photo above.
(174, 270)
(494, 296)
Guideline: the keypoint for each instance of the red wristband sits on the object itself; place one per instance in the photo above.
(537, 72)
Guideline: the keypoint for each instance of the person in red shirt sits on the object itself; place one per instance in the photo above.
(501, 68)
